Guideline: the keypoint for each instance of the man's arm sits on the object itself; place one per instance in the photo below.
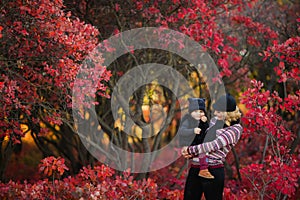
(229, 135)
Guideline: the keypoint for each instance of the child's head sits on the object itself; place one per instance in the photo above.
(197, 107)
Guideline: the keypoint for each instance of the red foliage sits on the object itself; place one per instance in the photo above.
(277, 172)
(42, 48)
(199, 20)
(262, 116)
(101, 182)
(289, 63)
(274, 179)
(51, 166)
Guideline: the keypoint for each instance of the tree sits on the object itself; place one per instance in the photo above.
(176, 15)
(254, 43)
(238, 34)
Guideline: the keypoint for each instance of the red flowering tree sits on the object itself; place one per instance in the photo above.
(273, 170)
(41, 50)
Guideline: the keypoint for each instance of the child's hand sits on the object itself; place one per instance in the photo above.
(203, 118)
(197, 130)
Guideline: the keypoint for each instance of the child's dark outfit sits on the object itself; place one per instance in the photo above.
(188, 136)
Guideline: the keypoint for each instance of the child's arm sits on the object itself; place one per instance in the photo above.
(203, 119)
(186, 134)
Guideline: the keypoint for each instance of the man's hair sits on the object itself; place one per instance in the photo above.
(232, 116)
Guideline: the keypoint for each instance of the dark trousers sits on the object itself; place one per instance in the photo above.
(196, 186)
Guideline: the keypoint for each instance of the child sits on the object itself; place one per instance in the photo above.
(193, 129)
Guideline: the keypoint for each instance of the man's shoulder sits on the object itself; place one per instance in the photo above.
(213, 121)
(235, 128)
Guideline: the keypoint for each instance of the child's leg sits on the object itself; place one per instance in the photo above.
(202, 161)
(204, 167)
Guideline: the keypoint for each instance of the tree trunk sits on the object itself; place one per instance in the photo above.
(5, 155)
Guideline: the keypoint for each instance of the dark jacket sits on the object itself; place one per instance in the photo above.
(187, 137)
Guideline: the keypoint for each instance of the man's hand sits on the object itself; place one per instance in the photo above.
(185, 153)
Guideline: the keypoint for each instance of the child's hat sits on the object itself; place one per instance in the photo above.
(196, 104)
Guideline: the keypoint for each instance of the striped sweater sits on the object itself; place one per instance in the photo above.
(217, 149)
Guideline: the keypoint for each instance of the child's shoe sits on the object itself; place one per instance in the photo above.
(205, 174)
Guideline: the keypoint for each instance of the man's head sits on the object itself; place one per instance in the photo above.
(225, 103)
